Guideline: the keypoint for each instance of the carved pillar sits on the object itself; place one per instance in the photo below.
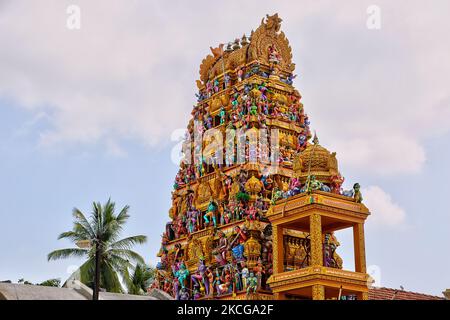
(318, 292)
(278, 250)
(315, 231)
(360, 249)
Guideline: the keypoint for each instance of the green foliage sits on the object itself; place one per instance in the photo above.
(51, 283)
(102, 231)
(140, 280)
(47, 283)
(23, 281)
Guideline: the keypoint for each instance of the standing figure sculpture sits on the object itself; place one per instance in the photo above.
(199, 279)
(211, 213)
(182, 273)
(252, 283)
(220, 253)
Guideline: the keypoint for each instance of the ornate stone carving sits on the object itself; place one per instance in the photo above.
(268, 34)
(318, 161)
(253, 185)
(252, 251)
(203, 194)
(194, 252)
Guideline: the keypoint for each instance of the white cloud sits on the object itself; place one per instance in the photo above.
(374, 96)
(384, 212)
(385, 155)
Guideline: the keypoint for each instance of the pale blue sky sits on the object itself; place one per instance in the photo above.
(87, 115)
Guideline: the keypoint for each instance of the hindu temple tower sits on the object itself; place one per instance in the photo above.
(255, 203)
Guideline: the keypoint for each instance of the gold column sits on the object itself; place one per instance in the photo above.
(360, 249)
(315, 231)
(277, 245)
(318, 292)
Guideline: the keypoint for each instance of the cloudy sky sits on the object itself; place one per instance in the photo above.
(87, 114)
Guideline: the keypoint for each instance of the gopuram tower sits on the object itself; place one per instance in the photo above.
(255, 204)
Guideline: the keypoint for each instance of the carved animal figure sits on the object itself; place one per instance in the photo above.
(217, 52)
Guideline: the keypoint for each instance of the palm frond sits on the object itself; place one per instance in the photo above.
(123, 215)
(109, 278)
(67, 253)
(127, 254)
(81, 219)
(71, 235)
(128, 243)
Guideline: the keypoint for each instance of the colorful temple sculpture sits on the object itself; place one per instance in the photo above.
(255, 203)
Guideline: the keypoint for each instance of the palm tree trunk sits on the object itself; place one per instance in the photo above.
(96, 290)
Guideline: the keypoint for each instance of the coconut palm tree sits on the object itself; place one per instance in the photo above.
(140, 279)
(108, 258)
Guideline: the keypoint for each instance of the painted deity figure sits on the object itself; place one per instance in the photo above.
(222, 115)
(210, 278)
(253, 110)
(225, 285)
(167, 287)
(216, 85)
(274, 56)
(252, 283)
(175, 288)
(220, 252)
(237, 244)
(294, 187)
(336, 183)
(217, 280)
(192, 217)
(182, 273)
(199, 279)
(259, 272)
(184, 294)
(237, 279)
(357, 195)
(240, 73)
(301, 142)
(251, 212)
(209, 88)
(314, 184)
(244, 274)
(329, 249)
(227, 80)
(208, 121)
(277, 194)
(226, 215)
(211, 213)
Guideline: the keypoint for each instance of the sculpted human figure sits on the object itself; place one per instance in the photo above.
(182, 273)
(245, 274)
(175, 288)
(199, 278)
(222, 115)
(211, 213)
(259, 272)
(252, 283)
(184, 294)
(276, 195)
(210, 278)
(225, 285)
(251, 212)
(357, 195)
(221, 250)
(294, 187)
